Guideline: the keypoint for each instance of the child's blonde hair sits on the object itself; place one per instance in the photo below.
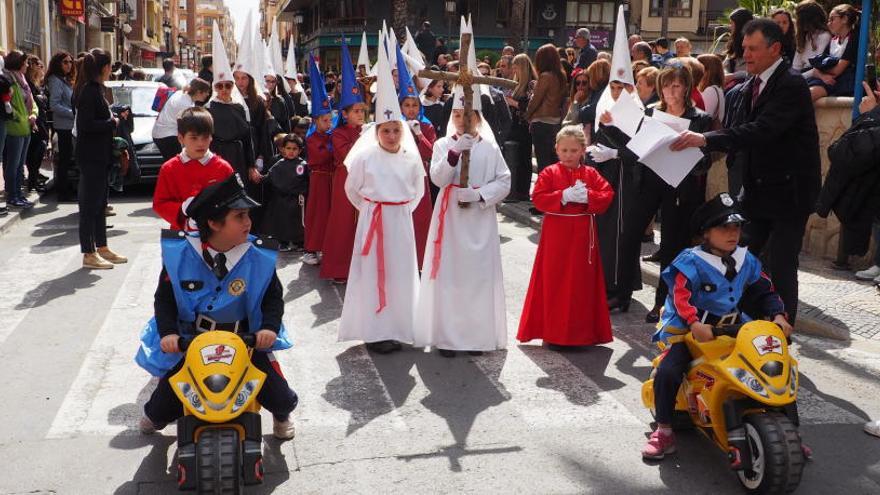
(574, 132)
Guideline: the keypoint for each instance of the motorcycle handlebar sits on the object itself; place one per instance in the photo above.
(733, 330)
(249, 339)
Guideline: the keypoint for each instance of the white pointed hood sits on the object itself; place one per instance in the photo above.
(621, 71)
(363, 54)
(621, 63)
(246, 61)
(471, 58)
(290, 63)
(277, 58)
(387, 104)
(222, 69)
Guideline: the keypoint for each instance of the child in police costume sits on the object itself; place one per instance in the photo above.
(708, 284)
(221, 278)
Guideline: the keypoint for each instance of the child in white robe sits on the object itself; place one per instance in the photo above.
(385, 183)
(461, 303)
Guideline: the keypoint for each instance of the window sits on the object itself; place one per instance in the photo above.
(593, 13)
(502, 15)
(677, 8)
(27, 18)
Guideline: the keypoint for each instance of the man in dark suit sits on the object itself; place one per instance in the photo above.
(772, 135)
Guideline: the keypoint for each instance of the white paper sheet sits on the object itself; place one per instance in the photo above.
(626, 114)
(678, 124)
(651, 145)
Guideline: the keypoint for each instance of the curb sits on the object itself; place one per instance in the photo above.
(805, 324)
(14, 216)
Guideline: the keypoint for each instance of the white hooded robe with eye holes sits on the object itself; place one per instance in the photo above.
(385, 187)
(461, 300)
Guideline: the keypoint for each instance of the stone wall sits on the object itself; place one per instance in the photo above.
(833, 117)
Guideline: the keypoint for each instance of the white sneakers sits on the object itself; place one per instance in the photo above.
(873, 427)
(872, 273)
(283, 430)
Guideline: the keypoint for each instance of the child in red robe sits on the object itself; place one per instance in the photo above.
(341, 224)
(320, 156)
(185, 175)
(565, 304)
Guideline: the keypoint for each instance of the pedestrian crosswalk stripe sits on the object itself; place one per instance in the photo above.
(24, 278)
(109, 391)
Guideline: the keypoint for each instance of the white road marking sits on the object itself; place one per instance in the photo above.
(26, 274)
(108, 393)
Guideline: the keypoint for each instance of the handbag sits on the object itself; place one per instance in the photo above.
(823, 62)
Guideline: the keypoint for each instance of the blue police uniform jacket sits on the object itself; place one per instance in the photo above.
(710, 289)
(238, 296)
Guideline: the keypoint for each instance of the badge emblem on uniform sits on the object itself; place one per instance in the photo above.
(726, 200)
(300, 170)
(236, 287)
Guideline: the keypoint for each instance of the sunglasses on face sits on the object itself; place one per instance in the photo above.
(225, 85)
(67, 62)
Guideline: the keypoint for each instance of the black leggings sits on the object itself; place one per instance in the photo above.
(544, 139)
(92, 202)
(65, 162)
(275, 395)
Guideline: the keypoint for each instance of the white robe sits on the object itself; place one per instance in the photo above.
(379, 176)
(463, 308)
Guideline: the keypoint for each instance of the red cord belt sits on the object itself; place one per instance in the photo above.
(376, 230)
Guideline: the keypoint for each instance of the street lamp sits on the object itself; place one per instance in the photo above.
(166, 27)
(450, 13)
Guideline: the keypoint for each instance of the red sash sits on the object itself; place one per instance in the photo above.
(376, 230)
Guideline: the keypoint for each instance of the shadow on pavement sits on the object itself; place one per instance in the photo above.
(459, 391)
(307, 280)
(50, 290)
(570, 383)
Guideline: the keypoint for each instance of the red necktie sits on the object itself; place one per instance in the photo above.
(756, 90)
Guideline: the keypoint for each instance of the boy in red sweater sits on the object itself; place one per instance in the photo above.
(183, 176)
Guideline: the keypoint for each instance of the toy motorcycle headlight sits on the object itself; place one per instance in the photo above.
(749, 381)
(191, 396)
(242, 398)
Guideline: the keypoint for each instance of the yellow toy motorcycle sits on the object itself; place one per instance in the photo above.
(219, 442)
(740, 392)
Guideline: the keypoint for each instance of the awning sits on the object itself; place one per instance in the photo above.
(143, 45)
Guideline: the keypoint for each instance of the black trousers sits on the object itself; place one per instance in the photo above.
(34, 159)
(668, 379)
(544, 140)
(780, 241)
(677, 206)
(518, 155)
(92, 202)
(168, 146)
(275, 395)
(65, 162)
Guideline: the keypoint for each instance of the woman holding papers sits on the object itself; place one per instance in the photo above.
(674, 183)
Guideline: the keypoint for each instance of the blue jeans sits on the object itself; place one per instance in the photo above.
(13, 165)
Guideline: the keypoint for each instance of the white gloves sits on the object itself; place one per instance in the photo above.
(575, 194)
(185, 205)
(415, 126)
(468, 195)
(600, 153)
(259, 164)
(463, 143)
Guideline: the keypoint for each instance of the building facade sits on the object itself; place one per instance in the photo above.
(207, 13)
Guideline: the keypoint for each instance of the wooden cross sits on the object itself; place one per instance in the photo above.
(466, 80)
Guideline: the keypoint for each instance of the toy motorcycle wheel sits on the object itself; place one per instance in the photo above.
(777, 458)
(218, 457)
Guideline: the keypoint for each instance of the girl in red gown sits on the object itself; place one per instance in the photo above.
(566, 304)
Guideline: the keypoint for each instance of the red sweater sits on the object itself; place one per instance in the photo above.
(178, 181)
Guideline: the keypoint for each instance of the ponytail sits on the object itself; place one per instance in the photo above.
(89, 70)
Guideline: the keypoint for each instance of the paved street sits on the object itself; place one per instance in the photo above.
(524, 420)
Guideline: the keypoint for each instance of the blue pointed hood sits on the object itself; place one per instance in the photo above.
(406, 87)
(351, 91)
(320, 101)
